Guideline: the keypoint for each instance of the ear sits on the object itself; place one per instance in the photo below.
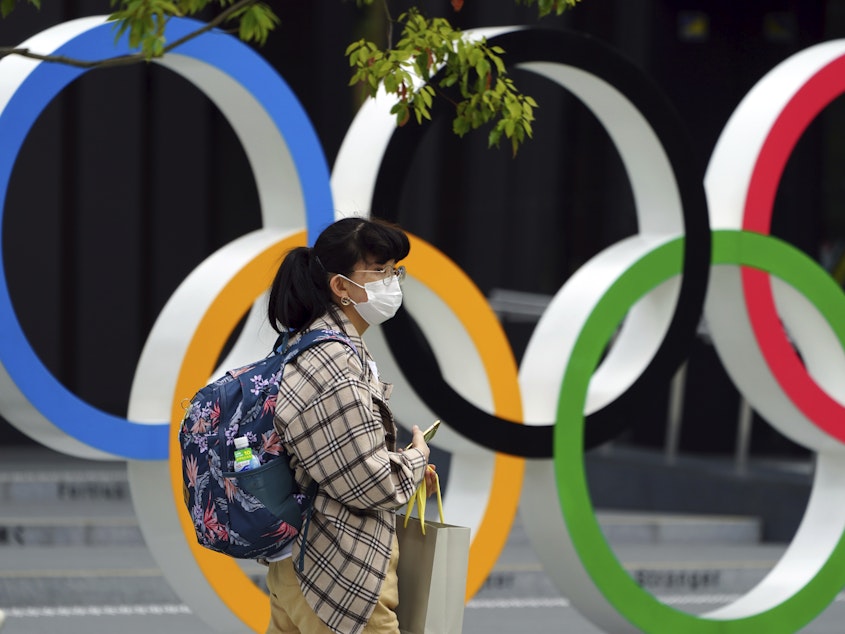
(337, 284)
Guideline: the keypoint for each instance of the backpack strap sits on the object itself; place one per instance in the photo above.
(310, 338)
(307, 340)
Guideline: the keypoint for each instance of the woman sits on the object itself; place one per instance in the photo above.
(333, 417)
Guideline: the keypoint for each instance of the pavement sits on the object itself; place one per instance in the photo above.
(72, 559)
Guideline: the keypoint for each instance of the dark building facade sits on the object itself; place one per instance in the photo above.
(131, 177)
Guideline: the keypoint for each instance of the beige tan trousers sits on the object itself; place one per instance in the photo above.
(291, 614)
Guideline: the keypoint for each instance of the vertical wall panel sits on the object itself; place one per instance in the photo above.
(108, 205)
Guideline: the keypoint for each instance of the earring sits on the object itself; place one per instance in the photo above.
(345, 301)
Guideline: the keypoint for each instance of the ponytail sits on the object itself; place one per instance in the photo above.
(300, 292)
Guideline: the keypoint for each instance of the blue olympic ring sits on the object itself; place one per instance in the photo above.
(227, 54)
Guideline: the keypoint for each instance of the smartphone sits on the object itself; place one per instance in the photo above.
(428, 434)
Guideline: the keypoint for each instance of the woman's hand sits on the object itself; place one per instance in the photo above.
(418, 441)
(430, 478)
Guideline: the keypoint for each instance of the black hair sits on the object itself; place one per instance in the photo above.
(300, 292)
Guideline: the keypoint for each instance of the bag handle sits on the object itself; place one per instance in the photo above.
(419, 498)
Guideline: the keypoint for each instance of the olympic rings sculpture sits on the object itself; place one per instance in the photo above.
(656, 283)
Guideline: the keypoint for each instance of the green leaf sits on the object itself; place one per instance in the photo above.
(449, 80)
(473, 69)
(528, 129)
(355, 46)
(390, 83)
(426, 97)
(482, 67)
(460, 126)
(401, 55)
(494, 137)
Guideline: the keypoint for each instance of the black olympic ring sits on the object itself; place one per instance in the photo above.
(414, 355)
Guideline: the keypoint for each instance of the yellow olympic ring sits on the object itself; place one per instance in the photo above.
(224, 575)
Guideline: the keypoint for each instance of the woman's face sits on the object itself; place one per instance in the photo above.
(368, 271)
(351, 286)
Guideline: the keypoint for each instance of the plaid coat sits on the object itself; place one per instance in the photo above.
(333, 417)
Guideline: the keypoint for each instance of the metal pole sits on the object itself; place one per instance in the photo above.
(675, 414)
(743, 436)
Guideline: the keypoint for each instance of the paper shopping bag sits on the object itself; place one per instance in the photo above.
(432, 577)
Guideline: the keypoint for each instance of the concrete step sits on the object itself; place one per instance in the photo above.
(51, 499)
(34, 473)
(102, 486)
(69, 575)
(69, 523)
(708, 573)
(703, 578)
(87, 563)
(627, 527)
(105, 575)
(93, 523)
(116, 575)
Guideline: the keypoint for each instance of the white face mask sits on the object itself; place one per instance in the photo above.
(383, 300)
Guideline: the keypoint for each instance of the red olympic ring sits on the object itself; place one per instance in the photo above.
(813, 96)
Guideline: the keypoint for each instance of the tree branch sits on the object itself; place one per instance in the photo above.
(211, 24)
(134, 58)
(389, 25)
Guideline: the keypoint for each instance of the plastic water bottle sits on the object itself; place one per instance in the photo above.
(244, 458)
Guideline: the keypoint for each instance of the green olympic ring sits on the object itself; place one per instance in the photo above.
(776, 609)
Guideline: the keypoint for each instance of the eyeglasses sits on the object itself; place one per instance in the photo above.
(388, 273)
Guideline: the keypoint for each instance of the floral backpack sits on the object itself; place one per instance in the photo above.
(255, 513)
